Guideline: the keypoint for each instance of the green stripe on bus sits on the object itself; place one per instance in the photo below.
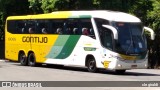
(85, 16)
(81, 16)
(74, 17)
(58, 46)
(63, 46)
(69, 46)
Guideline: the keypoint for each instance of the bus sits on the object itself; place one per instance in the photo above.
(97, 39)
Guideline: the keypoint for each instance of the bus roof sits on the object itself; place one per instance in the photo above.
(105, 14)
(109, 15)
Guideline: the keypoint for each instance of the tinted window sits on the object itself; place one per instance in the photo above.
(42, 26)
(104, 33)
(11, 26)
(74, 26)
(87, 28)
(57, 26)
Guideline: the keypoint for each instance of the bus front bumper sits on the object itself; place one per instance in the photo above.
(124, 65)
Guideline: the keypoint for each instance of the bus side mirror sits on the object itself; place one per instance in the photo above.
(114, 30)
(151, 32)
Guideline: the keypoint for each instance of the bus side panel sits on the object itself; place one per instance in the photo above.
(62, 49)
(82, 47)
(41, 46)
(15, 43)
(86, 46)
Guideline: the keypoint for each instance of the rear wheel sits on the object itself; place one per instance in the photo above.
(91, 65)
(31, 60)
(22, 59)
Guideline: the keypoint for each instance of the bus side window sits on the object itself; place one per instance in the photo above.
(57, 26)
(75, 31)
(11, 26)
(42, 26)
(85, 31)
(31, 26)
(100, 22)
(30, 30)
(106, 38)
(44, 31)
(15, 26)
(22, 30)
(21, 26)
(87, 28)
(71, 26)
(59, 31)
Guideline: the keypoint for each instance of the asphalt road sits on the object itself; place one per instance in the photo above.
(11, 71)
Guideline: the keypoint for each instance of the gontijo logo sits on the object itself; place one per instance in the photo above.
(34, 39)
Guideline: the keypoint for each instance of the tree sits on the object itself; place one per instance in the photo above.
(61, 5)
(35, 6)
(84, 4)
(54, 5)
(154, 14)
(140, 8)
(116, 5)
(153, 17)
(10, 8)
(48, 5)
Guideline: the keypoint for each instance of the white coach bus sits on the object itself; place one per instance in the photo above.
(93, 39)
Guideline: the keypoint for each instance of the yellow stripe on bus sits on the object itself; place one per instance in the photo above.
(63, 14)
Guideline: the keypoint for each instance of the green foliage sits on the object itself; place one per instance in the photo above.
(48, 5)
(83, 5)
(3, 12)
(61, 5)
(54, 5)
(9, 8)
(140, 8)
(154, 14)
(35, 6)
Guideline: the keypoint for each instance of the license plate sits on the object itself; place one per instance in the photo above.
(133, 66)
(128, 57)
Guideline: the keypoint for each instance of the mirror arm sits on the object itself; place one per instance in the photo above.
(151, 32)
(114, 30)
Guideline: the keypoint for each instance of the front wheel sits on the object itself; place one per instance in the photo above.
(22, 59)
(31, 60)
(91, 65)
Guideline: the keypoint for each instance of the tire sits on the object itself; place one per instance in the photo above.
(22, 59)
(31, 60)
(120, 71)
(91, 65)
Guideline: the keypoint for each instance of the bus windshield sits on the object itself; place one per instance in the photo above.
(131, 40)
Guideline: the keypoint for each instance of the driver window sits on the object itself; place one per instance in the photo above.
(106, 38)
(104, 33)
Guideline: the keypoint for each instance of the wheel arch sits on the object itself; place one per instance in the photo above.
(88, 57)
